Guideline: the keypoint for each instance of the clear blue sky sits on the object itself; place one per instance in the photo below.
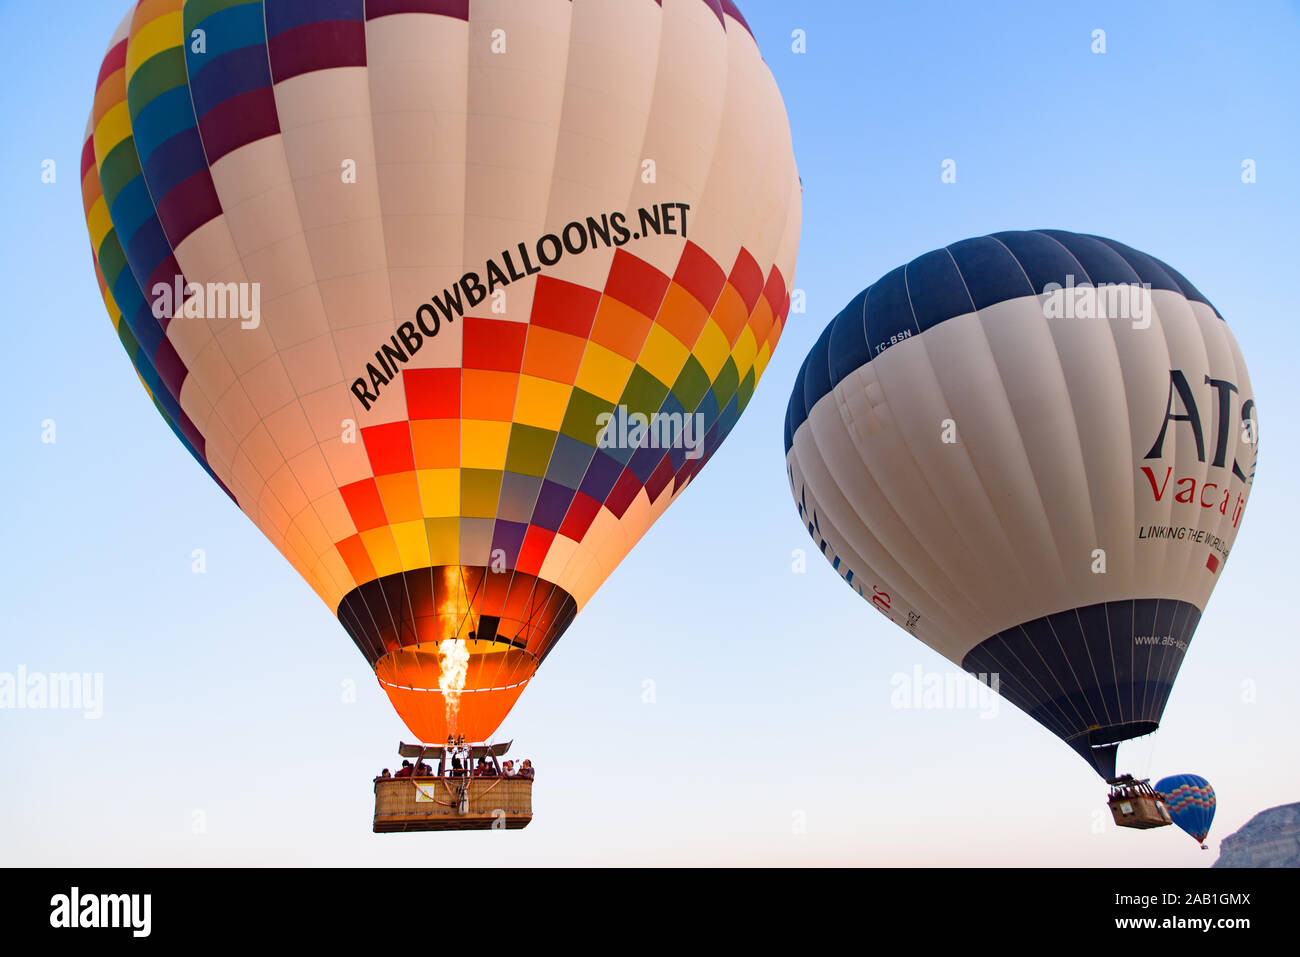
(223, 692)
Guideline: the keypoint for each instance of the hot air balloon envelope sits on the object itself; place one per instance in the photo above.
(1190, 800)
(389, 269)
(1032, 451)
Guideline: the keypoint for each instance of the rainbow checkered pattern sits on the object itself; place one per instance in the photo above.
(502, 453)
(1187, 796)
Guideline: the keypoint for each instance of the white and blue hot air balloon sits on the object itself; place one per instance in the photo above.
(1032, 451)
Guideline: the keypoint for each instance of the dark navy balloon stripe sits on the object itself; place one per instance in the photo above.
(1118, 661)
(958, 279)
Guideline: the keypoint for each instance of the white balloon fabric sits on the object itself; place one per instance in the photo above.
(1032, 451)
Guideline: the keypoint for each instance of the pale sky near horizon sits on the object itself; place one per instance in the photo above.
(773, 735)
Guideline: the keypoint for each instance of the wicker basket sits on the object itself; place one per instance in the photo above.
(432, 804)
(1139, 810)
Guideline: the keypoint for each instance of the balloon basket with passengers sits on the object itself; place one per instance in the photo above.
(1137, 804)
(469, 789)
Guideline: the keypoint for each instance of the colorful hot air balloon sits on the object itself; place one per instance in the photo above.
(386, 268)
(1190, 800)
(1032, 451)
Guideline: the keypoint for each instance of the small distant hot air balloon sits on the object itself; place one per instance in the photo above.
(1190, 800)
(1032, 451)
(452, 297)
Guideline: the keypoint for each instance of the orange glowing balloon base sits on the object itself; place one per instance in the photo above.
(411, 677)
(455, 645)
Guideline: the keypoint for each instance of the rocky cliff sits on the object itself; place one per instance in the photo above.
(1270, 839)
